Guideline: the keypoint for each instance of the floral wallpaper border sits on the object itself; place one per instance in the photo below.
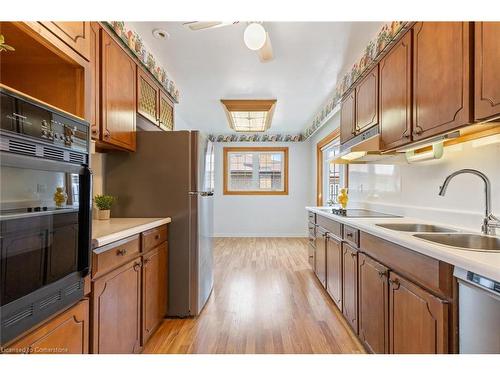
(134, 42)
(373, 52)
(255, 138)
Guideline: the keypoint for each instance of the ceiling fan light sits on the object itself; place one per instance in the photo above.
(255, 36)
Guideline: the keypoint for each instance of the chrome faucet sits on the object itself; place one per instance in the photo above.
(490, 221)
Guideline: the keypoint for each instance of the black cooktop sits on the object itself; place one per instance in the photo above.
(356, 212)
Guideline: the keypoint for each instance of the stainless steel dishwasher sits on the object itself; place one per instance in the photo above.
(479, 313)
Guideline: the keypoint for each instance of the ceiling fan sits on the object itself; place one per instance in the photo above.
(255, 36)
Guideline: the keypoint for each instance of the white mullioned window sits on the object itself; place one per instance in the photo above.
(255, 170)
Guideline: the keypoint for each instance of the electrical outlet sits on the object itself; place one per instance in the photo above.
(41, 188)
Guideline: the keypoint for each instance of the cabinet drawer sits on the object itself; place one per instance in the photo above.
(331, 226)
(153, 238)
(109, 257)
(351, 235)
(311, 216)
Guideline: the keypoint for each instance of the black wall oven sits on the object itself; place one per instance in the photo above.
(44, 245)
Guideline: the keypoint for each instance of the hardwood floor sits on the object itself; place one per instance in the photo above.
(266, 299)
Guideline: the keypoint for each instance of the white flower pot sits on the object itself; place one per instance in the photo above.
(103, 214)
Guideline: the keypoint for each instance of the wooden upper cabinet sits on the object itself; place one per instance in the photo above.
(441, 77)
(373, 304)
(166, 112)
(92, 95)
(154, 287)
(487, 70)
(347, 116)
(418, 321)
(395, 94)
(74, 34)
(67, 333)
(320, 257)
(350, 285)
(116, 315)
(118, 95)
(148, 96)
(367, 102)
(334, 269)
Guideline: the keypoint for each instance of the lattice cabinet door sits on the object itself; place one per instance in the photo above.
(166, 112)
(147, 97)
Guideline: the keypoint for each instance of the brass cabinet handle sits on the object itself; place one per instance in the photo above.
(157, 237)
(394, 282)
(418, 131)
(121, 252)
(107, 134)
(353, 254)
(137, 266)
(349, 234)
(145, 262)
(382, 273)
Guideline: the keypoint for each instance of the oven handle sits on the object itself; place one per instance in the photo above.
(85, 221)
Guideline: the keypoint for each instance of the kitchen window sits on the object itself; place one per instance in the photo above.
(255, 170)
(334, 175)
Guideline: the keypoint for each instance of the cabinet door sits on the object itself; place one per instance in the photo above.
(418, 321)
(395, 94)
(487, 70)
(367, 102)
(441, 77)
(148, 95)
(116, 301)
(118, 83)
(373, 304)
(347, 115)
(93, 93)
(166, 112)
(67, 333)
(334, 269)
(350, 285)
(154, 289)
(320, 257)
(74, 34)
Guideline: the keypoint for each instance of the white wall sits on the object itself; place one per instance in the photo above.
(265, 215)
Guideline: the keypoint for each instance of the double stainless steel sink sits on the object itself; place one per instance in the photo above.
(447, 236)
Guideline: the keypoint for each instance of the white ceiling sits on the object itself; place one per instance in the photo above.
(209, 65)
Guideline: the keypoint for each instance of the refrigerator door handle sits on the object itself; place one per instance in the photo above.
(202, 193)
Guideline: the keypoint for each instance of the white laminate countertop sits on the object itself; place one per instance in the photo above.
(114, 229)
(482, 263)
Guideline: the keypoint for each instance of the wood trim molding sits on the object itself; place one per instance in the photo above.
(227, 150)
(319, 163)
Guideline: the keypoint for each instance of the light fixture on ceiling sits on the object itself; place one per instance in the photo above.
(255, 36)
(160, 34)
(249, 115)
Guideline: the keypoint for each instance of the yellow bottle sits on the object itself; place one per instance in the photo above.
(343, 198)
(60, 197)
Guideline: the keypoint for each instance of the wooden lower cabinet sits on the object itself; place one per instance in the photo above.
(67, 333)
(116, 310)
(334, 269)
(154, 289)
(350, 285)
(373, 304)
(418, 321)
(320, 256)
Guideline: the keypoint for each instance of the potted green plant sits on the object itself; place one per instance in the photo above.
(103, 204)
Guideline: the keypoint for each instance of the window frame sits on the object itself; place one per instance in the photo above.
(228, 150)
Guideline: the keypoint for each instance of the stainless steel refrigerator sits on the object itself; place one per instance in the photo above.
(171, 174)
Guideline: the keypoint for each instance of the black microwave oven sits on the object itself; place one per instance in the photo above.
(45, 211)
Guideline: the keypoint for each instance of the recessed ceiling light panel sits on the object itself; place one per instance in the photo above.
(249, 115)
